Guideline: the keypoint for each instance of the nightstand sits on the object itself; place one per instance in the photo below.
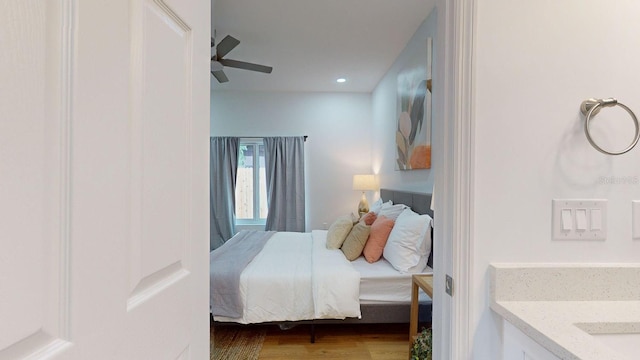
(424, 282)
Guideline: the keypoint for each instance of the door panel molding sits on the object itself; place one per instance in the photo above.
(153, 284)
(66, 121)
(49, 45)
(184, 355)
(160, 150)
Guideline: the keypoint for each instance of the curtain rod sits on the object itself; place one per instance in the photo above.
(262, 137)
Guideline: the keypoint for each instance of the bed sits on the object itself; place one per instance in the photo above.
(337, 291)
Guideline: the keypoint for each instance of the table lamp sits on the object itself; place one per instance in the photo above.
(364, 183)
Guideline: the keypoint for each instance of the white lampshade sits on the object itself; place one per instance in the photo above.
(364, 182)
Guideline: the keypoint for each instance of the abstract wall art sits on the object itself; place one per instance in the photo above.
(413, 130)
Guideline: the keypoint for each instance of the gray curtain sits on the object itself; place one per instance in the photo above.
(284, 161)
(222, 194)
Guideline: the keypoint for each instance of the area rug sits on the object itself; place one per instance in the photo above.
(232, 342)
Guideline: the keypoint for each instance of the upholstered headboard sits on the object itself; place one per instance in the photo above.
(418, 202)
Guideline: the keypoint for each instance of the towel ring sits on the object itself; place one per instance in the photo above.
(591, 107)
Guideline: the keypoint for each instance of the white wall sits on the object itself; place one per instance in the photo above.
(535, 62)
(339, 143)
(385, 115)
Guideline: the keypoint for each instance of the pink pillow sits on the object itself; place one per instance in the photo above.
(369, 218)
(380, 230)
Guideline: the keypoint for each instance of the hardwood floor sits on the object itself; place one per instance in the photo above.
(375, 342)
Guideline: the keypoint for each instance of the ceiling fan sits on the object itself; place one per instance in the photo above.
(218, 62)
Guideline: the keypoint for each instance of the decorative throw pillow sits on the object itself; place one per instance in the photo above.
(380, 230)
(391, 211)
(355, 241)
(409, 244)
(338, 231)
(369, 218)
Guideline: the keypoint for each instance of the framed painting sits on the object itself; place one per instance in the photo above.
(413, 130)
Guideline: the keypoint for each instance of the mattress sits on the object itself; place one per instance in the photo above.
(294, 278)
(380, 283)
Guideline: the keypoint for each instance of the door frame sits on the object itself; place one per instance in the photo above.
(455, 186)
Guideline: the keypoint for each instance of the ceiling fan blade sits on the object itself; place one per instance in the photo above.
(246, 66)
(216, 66)
(220, 76)
(227, 44)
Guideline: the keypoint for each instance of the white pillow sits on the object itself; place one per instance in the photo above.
(375, 207)
(391, 211)
(409, 244)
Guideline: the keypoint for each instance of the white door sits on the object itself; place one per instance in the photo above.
(104, 126)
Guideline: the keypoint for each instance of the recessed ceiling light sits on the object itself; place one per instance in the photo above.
(341, 80)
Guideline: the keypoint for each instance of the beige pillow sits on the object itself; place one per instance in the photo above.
(338, 231)
(355, 241)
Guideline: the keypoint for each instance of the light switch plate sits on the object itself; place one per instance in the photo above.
(581, 228)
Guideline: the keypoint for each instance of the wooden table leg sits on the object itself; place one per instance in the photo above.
(413, 322)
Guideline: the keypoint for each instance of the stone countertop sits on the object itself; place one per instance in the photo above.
(560, 306)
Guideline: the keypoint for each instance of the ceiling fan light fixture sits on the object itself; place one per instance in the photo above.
(341, 80)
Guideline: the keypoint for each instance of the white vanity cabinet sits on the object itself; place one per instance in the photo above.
(518, 346)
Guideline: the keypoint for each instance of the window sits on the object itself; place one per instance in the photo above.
(251, 184)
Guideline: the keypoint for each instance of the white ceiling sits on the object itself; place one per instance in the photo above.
(312, 43)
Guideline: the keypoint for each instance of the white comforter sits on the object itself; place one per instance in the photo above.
(295, 277)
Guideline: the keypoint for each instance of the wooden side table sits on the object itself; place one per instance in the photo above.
(424, 282)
